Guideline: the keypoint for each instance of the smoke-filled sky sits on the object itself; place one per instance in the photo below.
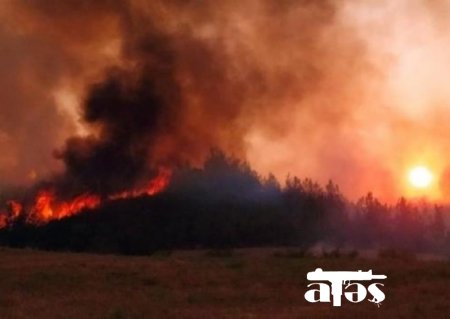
(106, 91)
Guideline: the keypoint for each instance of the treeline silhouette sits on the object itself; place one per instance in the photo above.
(226, 205)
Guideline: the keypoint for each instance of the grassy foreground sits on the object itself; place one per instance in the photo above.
(255, 283)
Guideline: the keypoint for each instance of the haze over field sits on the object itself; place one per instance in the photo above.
(348, 90)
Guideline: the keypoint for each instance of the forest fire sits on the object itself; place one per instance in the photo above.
(156, 185)
(47, 207)
(15, 208)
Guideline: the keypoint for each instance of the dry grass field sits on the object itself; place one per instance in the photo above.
(254, 283)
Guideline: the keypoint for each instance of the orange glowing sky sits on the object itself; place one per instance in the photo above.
(380, 109)
(400, 122)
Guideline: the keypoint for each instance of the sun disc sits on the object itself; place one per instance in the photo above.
(420, 177)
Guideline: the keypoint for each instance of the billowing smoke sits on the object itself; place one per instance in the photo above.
(102, 94)
(129, 117)
(188, 76)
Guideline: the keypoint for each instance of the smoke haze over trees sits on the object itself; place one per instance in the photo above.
(226, 204)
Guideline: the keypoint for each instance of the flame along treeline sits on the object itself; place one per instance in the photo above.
(47, 207)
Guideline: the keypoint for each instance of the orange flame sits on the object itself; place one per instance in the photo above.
(155, 186)
(85, 201)
(47, 206)
(15, 208)
(42, 210)
(160, 182)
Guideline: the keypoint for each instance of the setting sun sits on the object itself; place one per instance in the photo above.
(420, 177)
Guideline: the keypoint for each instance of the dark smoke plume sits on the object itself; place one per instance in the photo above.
(161, 83)
(128, 120)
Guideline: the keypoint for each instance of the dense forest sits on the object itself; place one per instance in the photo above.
(226, 204)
